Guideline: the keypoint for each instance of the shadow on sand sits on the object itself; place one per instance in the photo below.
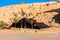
(56, 17)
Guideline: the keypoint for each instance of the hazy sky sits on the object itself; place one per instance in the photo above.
(10, 2)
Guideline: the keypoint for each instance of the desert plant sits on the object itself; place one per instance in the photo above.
(2, 24)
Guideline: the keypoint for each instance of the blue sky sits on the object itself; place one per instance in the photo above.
(10, 2)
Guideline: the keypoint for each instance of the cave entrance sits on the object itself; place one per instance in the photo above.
(29, 23)
(57, 18)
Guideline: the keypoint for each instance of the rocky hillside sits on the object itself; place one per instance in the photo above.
(47, 13)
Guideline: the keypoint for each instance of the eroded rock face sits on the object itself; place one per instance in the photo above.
(39, 12)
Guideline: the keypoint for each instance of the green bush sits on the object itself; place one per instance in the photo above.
(2, 24)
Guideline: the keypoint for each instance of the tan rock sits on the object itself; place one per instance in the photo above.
(35, 11)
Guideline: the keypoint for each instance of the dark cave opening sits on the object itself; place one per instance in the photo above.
(57, 18)
(29, 23)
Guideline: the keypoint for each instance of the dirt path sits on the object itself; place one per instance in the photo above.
(30, 34)
(29, 37)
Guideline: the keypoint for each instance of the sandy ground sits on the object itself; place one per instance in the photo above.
(51, 33)
(29, 37)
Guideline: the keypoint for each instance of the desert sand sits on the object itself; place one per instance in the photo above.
(52, 33)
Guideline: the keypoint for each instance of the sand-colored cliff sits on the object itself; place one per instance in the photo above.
(41, 12)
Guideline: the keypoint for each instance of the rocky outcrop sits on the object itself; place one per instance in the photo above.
(42, 12)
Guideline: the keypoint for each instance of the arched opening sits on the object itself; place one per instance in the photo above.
(29, 23)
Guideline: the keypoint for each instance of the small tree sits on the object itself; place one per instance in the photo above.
(2, 24)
